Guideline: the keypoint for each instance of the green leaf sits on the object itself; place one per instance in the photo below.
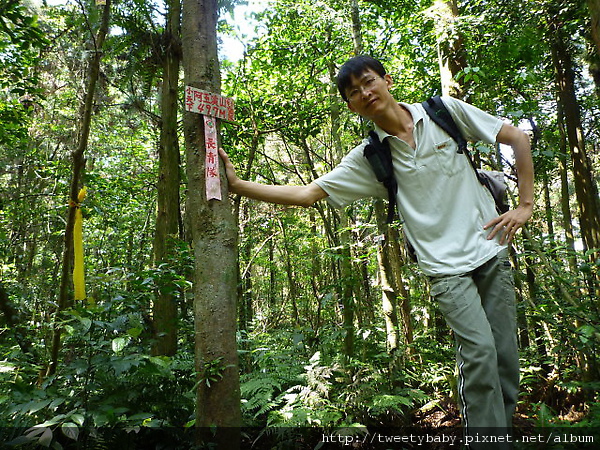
(134, 332)
(34, 407)
(140, 417)
(6, 367)
(118, 344)
(121, 365)
(45, 439)
(87, 324)
(53, 421)
(34, 431)
(70, 430)
(161, 361)
(77, 418)
(56, 403)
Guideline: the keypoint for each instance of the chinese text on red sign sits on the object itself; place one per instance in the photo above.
(209, 104)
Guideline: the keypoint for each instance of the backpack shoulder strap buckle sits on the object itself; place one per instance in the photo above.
(435, 108)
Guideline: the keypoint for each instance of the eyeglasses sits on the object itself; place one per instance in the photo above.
(357, 91)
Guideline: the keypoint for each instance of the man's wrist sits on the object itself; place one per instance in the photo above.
(234, 185)
(527, 204)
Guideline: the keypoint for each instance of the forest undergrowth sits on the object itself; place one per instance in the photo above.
(109, 388)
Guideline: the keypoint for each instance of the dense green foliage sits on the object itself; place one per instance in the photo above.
(299, 268)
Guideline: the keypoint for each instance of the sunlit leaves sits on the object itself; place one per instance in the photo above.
(21, 40)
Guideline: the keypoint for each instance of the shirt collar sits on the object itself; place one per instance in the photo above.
(415, 112)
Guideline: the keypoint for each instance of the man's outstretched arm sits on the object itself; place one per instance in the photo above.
(283, 195)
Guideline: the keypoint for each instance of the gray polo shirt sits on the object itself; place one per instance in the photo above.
(442, 204)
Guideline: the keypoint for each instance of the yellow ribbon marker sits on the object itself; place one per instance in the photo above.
(78, 272)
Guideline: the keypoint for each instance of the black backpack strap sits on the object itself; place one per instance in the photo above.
(438, 112)
(380, 158)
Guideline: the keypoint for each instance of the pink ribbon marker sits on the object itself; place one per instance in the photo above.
(213, 180)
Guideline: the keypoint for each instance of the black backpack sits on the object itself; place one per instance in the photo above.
(379, 156)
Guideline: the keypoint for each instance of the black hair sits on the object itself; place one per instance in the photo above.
(356, 66)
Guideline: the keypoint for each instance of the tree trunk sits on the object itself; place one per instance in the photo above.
(356, 28)
(214, 235)
(316, 273)
(522, 326)
(272, 299)
(547, 204)
(451, 54)
(245, 294)
(346, 284)
(388, 260)
(164, 309)
(565, 202)
(93, 71)
(594, 6)
(390, 263)
(293, 288)
(538, 323)
(388, 286)
(585, 188)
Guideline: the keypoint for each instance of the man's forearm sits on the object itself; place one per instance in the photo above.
(519, 141)
(508, 223)
(524, 164)
(282, 195)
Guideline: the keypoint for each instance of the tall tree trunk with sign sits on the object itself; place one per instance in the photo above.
(164, 309)
(93, 72)
(214, 235)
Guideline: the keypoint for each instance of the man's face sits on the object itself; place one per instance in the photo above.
(368, 94)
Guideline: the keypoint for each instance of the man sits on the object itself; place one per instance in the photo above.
(450, 219)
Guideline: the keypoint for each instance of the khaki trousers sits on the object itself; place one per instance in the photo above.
(479, 307)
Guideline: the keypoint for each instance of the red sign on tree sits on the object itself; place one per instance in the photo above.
(212, 106)
(209, 104)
